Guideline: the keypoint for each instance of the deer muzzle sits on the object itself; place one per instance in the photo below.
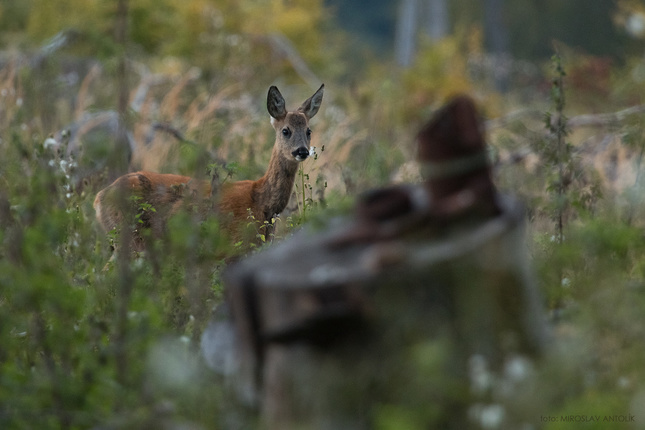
(301, 153)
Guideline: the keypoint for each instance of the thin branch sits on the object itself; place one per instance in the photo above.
(605, 119)
(586, 120)
(517, 115)
(167, 128)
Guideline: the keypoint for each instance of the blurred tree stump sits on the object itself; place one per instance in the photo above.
(398, 313)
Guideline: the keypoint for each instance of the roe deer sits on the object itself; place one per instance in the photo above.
(263, 199)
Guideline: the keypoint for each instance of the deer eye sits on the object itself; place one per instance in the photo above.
(286, 132)
(308, 132)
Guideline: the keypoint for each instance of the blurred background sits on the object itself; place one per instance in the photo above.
(195, 65)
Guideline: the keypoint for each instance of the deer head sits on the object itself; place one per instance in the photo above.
(293, 135)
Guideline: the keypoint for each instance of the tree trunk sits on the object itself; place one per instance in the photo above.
(406, 30)
(496, 35)
(122, 143)
(121, 39)
(436, 23)
(403, 305)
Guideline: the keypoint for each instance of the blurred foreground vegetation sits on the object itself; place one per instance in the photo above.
(83, 347)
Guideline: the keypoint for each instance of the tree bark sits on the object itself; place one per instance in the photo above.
(330, 325)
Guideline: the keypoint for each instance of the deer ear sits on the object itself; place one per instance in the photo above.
(312, 104)
(275, 104)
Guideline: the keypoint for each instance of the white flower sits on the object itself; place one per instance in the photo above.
(487, 416)
(312, 151)
(517, 368)
(635, 24)
(623, 382)
(481, 378)
(492, 416)
(50, 142)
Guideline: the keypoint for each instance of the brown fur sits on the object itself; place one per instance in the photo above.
(264, 198)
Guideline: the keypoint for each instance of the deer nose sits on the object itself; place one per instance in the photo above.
(301, 153)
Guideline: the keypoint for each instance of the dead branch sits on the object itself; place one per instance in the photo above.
(167, 128)
(509, 118)
(604, 119)
(585, 120)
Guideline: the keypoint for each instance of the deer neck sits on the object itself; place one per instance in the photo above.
(274, 188)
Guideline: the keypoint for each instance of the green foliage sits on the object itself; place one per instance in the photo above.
(559, 156)
(440, 72)
(603, 309)
(307, 198)
(75, 338)
(212, 33)
(14, 15)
